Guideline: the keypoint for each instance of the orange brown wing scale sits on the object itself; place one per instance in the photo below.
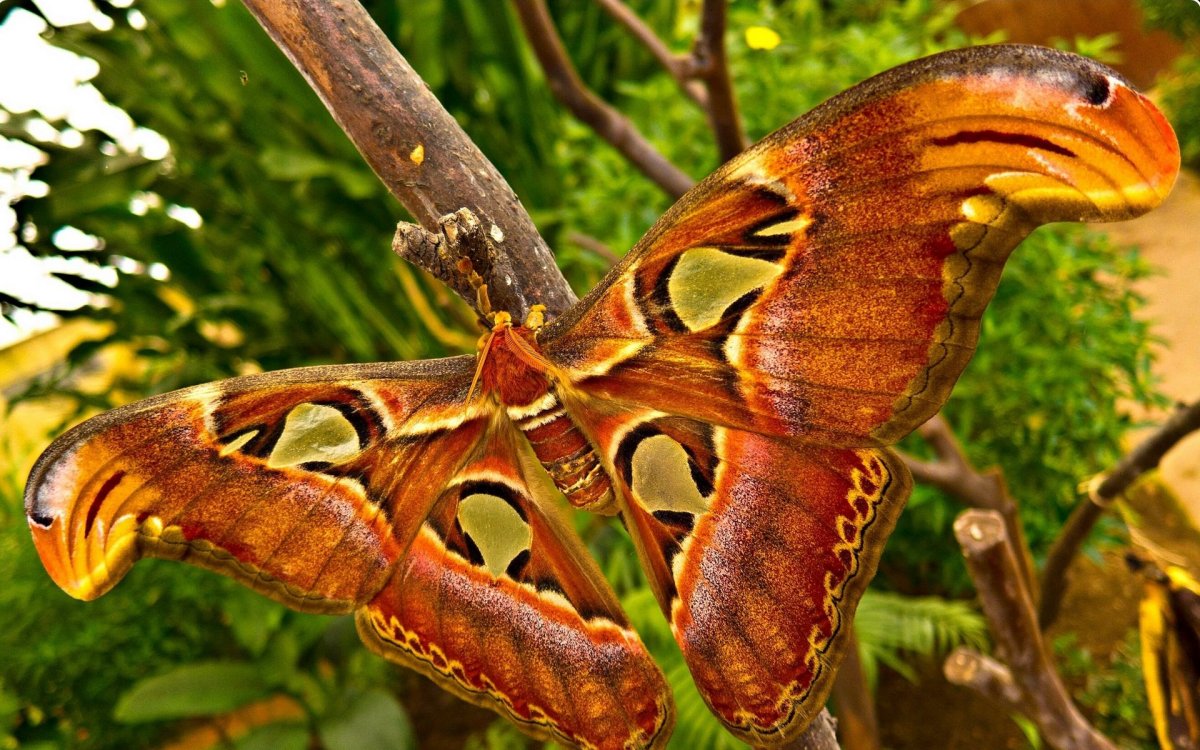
(728, 389)
(758, 548)
(814, 299)
(302, 484)
(497, 601)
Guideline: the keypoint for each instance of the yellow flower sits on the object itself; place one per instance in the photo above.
(761, 37)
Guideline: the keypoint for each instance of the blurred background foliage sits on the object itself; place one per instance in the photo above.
(290, 266)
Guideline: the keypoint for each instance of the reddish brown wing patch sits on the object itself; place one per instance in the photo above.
(496, 602)
(772, 576)
(275, 480)
(759, 553)
(828, 283)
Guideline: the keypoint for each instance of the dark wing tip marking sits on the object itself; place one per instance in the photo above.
(1097, 91)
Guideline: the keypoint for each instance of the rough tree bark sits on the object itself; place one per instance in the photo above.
(413, 144)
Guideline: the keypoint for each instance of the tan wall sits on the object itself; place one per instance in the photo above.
(1143, 54)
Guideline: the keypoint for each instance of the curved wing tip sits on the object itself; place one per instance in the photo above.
(48, 545)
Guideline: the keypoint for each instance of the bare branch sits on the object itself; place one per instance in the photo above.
(1013, 623)
(1149, 453)
(710, 66)
(677, 65)
(605, 120)
(408, 138)
(953, 474)
(854, 702)
(1143, 458)
(986, 676)
(820, 735)
(593, 246)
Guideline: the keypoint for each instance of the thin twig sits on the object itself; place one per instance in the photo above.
(597, 114)
(1143, 458)
(1013, 623)
(854, 702)
(953, 473)
(711, 66)
(676, 65)
(593, 246)
(415, 146)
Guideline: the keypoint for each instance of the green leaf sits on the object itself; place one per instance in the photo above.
(198, 689)
(277, 736)
(253, 619)
(375, 721)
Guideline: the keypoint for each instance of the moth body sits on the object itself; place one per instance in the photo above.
(513, 368)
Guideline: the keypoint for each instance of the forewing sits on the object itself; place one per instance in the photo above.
(827, 284)
(758, 548)
(304, 484)
(497, 601)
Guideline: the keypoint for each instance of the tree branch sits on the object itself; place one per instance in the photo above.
(594, 246)
(1013, 623)
(986, 676)
(710, 65)
(415, 146)
(820, 735)
(854, 702)
(952, 473)
(1101, 493)
(605, 120)
(677, 66)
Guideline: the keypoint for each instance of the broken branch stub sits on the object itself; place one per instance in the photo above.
(993, 566)
(462, 236)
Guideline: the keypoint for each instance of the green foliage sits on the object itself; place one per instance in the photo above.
(499, 735)
(892, 629)
(1112, 690)
(1180, 18)
(1102, 47)
(374, 721)
(1060, 349)
(195, 689)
